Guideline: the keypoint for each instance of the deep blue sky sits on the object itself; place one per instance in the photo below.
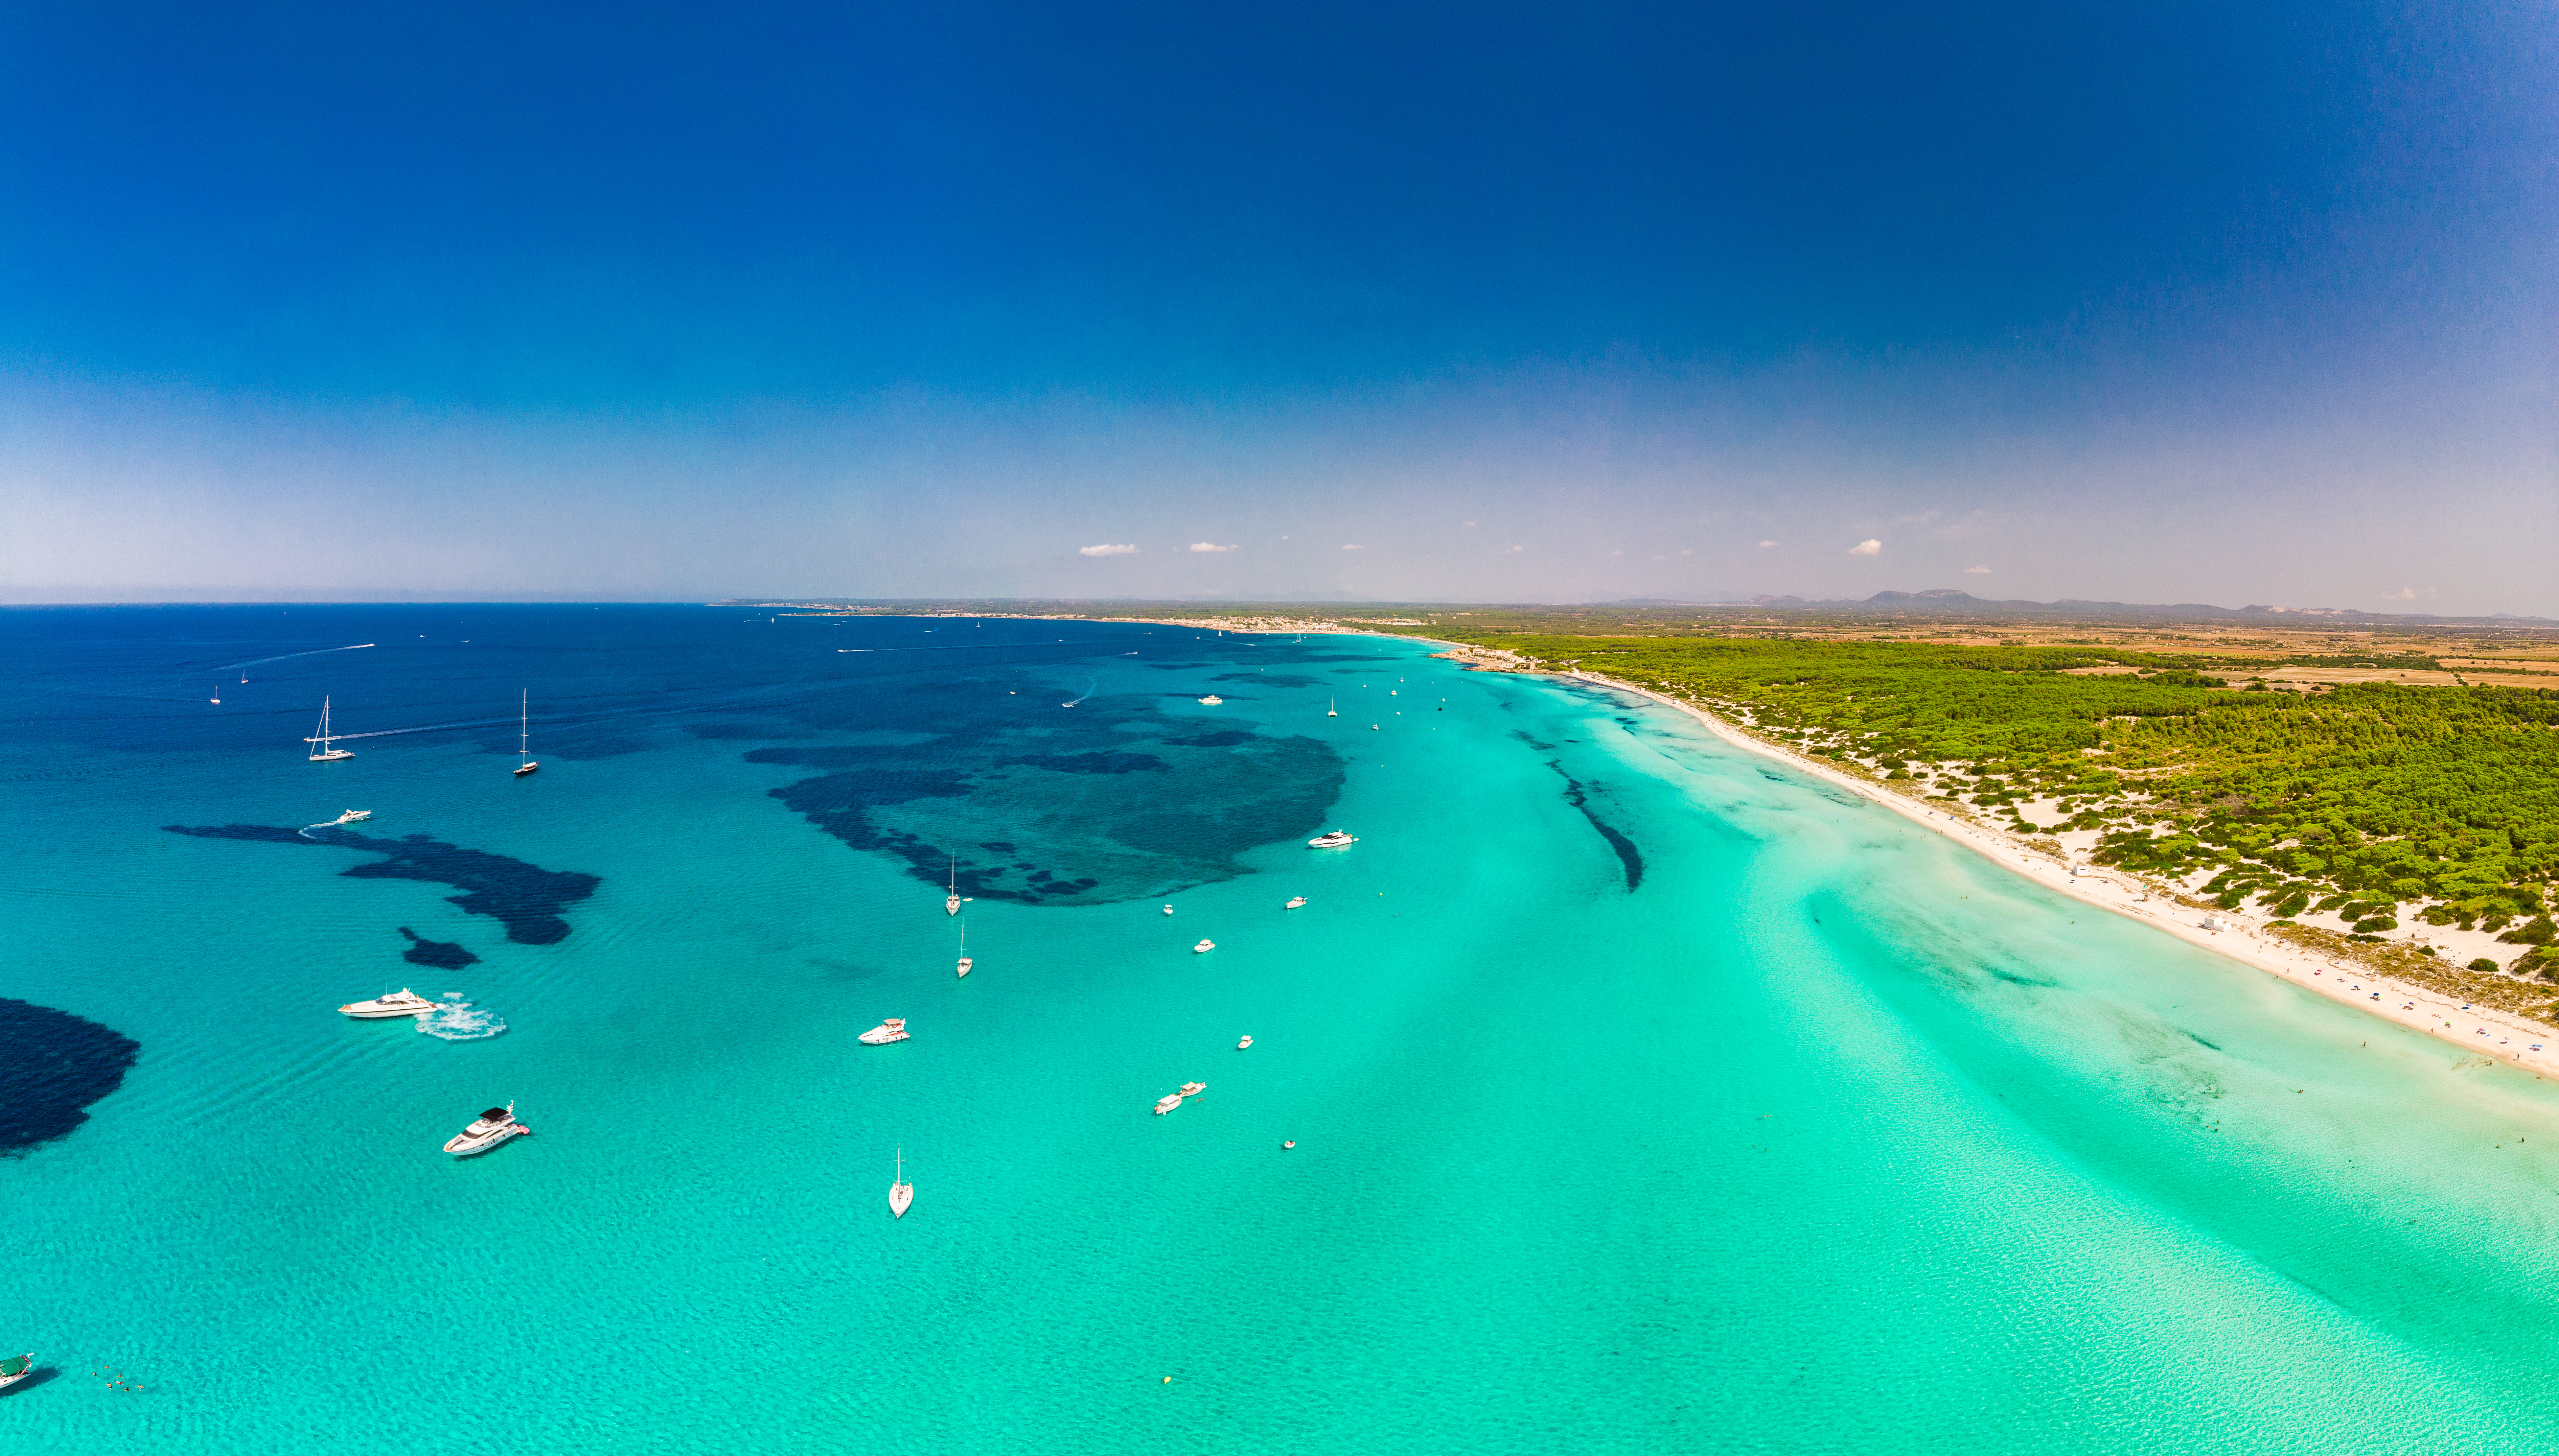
(2155, 302)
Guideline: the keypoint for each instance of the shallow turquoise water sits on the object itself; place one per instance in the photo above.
(1828, 1136)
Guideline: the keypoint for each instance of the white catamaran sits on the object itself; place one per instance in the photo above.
(523, 722)
(320, 751)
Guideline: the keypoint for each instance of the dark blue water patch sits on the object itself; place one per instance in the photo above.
(2015, 979)
(1093, 762)
(1524, 735)
(1223, 738)
(835, 755)
(525, 898)
(1630, 858)
(441, 955)
(53, 1065)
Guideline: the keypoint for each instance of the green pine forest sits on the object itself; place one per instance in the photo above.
(2376, 802)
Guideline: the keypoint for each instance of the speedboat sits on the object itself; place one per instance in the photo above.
(891, 1030)
(1294, 902)
(402, 1002)
(14, 1371)
(1168, 910)
(1239, 1045)
(1203, 947)
(1334, 840)
(1212, 700)
(493, 1127)
(1167, 1102)
(1193, 1089)
(352, 816)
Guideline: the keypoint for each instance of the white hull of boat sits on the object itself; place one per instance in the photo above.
(406, 1003)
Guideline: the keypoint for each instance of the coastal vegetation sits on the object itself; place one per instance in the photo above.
(2377, 803)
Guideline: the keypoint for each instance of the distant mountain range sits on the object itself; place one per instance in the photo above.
(1948, 602)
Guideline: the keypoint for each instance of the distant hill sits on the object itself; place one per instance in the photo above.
(1949, 602)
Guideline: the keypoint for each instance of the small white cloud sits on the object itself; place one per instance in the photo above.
(1354, 548)
(1515, 549)
(2404, 594)
(1977, 571)
(1209, 547)
(1868, 547)
(1106, 550)
(1765, 544)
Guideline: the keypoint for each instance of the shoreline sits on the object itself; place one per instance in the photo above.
(2494, 1035)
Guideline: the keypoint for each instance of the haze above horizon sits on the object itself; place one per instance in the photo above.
(1429, 304)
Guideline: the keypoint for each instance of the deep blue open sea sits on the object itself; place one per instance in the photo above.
(1647, 1097)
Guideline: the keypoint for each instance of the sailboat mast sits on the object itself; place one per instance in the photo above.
(523, 720)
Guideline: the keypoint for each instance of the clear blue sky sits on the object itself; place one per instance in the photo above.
(2153, 302)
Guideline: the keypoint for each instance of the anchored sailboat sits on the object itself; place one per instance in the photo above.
(900, 1192)
(950, 902)
(523, 725)
(324, 753)
(966, 965)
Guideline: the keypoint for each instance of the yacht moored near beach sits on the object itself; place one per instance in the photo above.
(901, 1194)
(402, 1002)
(1239, 1045)
(1167, 1102)
(891, 1030)
(1333, 841)
(1294, 902)
(1203, 947)
(1212, 700)
(493, 1127)
(1193, 1089)
(950, 902)
(15, 1370)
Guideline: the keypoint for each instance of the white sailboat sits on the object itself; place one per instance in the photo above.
(322, 753)
(966, 965)
(901, 1193)
(523, 722)
(1332, 709)
(950, 902)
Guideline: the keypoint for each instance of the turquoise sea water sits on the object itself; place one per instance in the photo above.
(1647, 1097)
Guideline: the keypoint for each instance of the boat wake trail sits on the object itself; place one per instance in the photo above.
(454, 1020)
(280, 657)
(1091, 684)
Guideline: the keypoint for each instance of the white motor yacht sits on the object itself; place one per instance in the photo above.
(1334, 840)
(1167, 1102)
(1193, 1089)
(402, 1002)
(14, 1371)
(1294, 902)
(1212, 700)
(493, 1127)
(901, 1194)
(352, 816)
(1203, 947)
(1247, 1042)
(1168, 910)
(891, 1030)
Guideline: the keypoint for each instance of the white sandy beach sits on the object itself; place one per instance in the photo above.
(2478, 1031)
